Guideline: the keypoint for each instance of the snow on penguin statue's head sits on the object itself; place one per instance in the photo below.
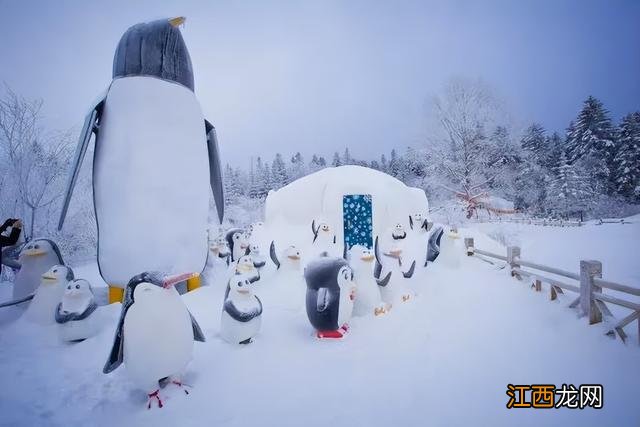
(150, 122)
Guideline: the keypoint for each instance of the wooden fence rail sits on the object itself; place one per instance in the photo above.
(591, 301)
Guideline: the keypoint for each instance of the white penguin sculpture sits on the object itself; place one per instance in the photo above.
(246, 266)
(368, 300)
(286, 288)
(155, 158)
(241, 312)
(324, 239)
(75, 313)
(391, 261)
(43, 306)
(35, 259)
(155, 334)
(451, 249)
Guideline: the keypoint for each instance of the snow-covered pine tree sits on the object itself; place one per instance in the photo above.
(570, 190)
(534, 141)
(627, 158)
(591, 141)
(297, 168)
(346, 157)
(337, 161)
(278, 173)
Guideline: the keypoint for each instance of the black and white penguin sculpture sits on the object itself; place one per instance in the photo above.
(259, 261)
(247, 267)
(362, 260)
(36, 257)
(391, 261)
(155, 334)
(324, 239)
(155, 162)
(75, 313)
(238, 242)
(419, 222)
(241, 312)
(52, 286)
(331, 292)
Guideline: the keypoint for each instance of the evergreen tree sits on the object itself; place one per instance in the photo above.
(322, 162)
(555, 147)
(569, 189)
(627, 159)
(591, 141)
(336, 160)
(297, 168)
(346, 158)
(384, 166)
(278, 173)
(534, 142)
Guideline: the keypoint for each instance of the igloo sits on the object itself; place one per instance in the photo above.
(350, 198)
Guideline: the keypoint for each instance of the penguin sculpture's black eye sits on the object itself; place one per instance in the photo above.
(69, 287)
(55, 271)
(37, 246)
(77, 286)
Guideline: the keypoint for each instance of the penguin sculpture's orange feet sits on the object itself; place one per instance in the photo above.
(155, 395)
(378, 311)
(329, 334)
(405, 298)
(181, 385)
(344, 328)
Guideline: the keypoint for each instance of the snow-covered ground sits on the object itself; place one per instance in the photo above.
(443, 358)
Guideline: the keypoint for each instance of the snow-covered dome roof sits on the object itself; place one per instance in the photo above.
(319, 196)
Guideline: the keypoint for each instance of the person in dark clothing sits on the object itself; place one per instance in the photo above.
(12, 238)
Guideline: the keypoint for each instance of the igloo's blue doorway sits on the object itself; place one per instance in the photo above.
(357, 220)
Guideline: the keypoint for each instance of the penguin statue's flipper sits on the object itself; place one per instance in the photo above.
(314, 230)
(240, 316)
(259, 264)
(215, 171)
(197, 332)
(116, 356)
(334, 239)
(67, 317)
(433, 248)
(409, 274)
(17, 301)
(378, 267)
(410, 222)
(384, 282)
(344, 252)
(90, 127)
(325, 299)
(272, 254)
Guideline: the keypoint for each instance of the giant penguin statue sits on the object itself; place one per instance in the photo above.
(54, 281)
(155, 157)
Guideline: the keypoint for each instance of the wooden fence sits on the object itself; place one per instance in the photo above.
(551, 222)
(591, 301)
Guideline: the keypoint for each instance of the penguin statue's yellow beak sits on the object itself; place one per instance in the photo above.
(177, 21)
(34, 252)
(48, 278)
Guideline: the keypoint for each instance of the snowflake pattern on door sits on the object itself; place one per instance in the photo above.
(357, 218)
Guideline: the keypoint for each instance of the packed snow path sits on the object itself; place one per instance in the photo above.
(444, 358)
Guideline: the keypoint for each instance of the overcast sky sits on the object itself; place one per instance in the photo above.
(322, 75)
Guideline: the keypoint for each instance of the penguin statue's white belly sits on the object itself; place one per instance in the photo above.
(158, 339)
(234, 331)
(345, 309)
(450, 251)
(76, 330)
(368, 292)
(43, 307)
(151, 180)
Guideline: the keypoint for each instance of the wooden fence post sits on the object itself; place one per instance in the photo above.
(468, 243)
(590, 269)
(513, 252)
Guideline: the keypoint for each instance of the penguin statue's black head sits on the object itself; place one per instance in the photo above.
(155, 49)
(323, 272)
